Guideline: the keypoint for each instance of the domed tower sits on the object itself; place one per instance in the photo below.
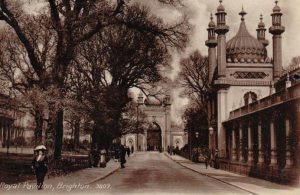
(276, 30)
(211, 43)
(243, 47)
(221, 29)
(243, 68)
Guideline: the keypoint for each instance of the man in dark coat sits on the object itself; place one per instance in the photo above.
(128, 151)
(40, 168)
(122, 156)
(132, 149)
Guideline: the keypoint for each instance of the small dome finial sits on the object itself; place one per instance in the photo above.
(243, 13)
(220, 7)
(276, 8)
(211, 23)
(261, 23)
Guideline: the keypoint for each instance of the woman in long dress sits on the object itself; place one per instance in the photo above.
(39, 166)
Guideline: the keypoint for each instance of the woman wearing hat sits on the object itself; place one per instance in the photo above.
(39, 165)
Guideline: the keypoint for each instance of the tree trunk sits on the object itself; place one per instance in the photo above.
(49, 134)
(59, 128)
(76, 134)
(38, 127)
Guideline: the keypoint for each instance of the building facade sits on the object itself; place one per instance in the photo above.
(160, 133)
(253, 101)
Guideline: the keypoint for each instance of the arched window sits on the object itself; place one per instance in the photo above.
(250, 97)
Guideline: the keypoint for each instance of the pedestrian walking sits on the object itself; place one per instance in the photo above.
(207, 157)
(216, 159)
(128, 151)
(122, 156)
(39, 165)
(172, 150)
(132, 149)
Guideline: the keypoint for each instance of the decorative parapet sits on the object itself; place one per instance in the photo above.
(287, 95)
(242, 82)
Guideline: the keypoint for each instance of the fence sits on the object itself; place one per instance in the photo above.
(264, 172)
(67, 164)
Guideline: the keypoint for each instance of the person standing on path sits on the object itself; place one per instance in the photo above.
(132, 149)
(128, 151)
(207, 157)
(122, 156)
(39, 165)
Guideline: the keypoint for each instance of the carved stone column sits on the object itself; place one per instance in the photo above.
(261, 158)
(250, 144)
(241, 142)
(273, 144)
(288, 158)
(234, 157)
(2, 132)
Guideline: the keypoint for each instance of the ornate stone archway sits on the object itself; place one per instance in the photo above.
(157, 112)
(154, 138)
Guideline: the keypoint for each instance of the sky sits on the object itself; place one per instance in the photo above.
(198, 13)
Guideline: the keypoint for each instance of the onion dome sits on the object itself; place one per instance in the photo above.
(211, 24)
(220, 7)
(276, 8)
(153, 101)
(243, 47)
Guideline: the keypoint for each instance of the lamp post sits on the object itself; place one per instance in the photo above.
(211, 139)
(137, 127)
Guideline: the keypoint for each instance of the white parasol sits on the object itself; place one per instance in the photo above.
(40, 147)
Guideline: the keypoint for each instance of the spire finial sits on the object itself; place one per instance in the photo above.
(220, 1)
(276, 8)
(261, 24)
(211, 17)
(243, 13)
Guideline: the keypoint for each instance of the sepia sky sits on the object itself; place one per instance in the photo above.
(198, 13)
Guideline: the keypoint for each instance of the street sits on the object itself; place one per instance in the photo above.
(153, 172)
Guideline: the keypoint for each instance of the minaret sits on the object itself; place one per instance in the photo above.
(211, 43)
(261, 32)
(276, 30)
(221, 30)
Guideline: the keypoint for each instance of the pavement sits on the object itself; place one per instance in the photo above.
(152, 173)
(250, 184)
(78, 179)
(155, 173)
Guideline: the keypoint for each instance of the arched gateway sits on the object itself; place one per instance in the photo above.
(159, 134)
(154, 141)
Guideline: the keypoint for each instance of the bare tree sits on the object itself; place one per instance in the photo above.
(294, 62)
(133, 120)
(194, 79)
(50, 39)
(127, 57)
(18, 77)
